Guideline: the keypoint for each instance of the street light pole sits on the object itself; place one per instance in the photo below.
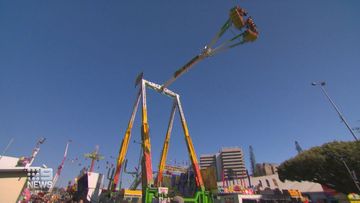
(322, 84)
(352, 174)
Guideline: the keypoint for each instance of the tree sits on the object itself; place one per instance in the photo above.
(325, 165)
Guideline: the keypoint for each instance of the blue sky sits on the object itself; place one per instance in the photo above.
(67, 71)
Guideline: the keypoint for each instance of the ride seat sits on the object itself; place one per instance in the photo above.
(250, 36)
(236, 16)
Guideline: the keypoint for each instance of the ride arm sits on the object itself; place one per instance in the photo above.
(125, 143)
(146, 167)
(236, 20)
(190, 147)
(165, 146)
(184, 69)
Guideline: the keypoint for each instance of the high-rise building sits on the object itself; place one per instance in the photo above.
(229, 163)
(232, 163)
(264, 169)
(207, 160)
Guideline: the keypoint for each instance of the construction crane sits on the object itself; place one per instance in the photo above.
(94, 156)
(7, 147)
(27, 161)
(35, 151)
(60, 167)
(247, 32)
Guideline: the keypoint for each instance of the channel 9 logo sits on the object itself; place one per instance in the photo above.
(39, 178)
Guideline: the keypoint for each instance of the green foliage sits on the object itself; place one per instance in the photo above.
(324, 165)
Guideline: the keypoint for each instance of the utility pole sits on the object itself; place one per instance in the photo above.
(322, 84)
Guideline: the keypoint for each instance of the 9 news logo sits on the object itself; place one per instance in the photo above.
(39, 178)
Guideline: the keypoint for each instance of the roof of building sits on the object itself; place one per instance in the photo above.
(207, 155)
(229, 149)
(8, 162)
(274, 181)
